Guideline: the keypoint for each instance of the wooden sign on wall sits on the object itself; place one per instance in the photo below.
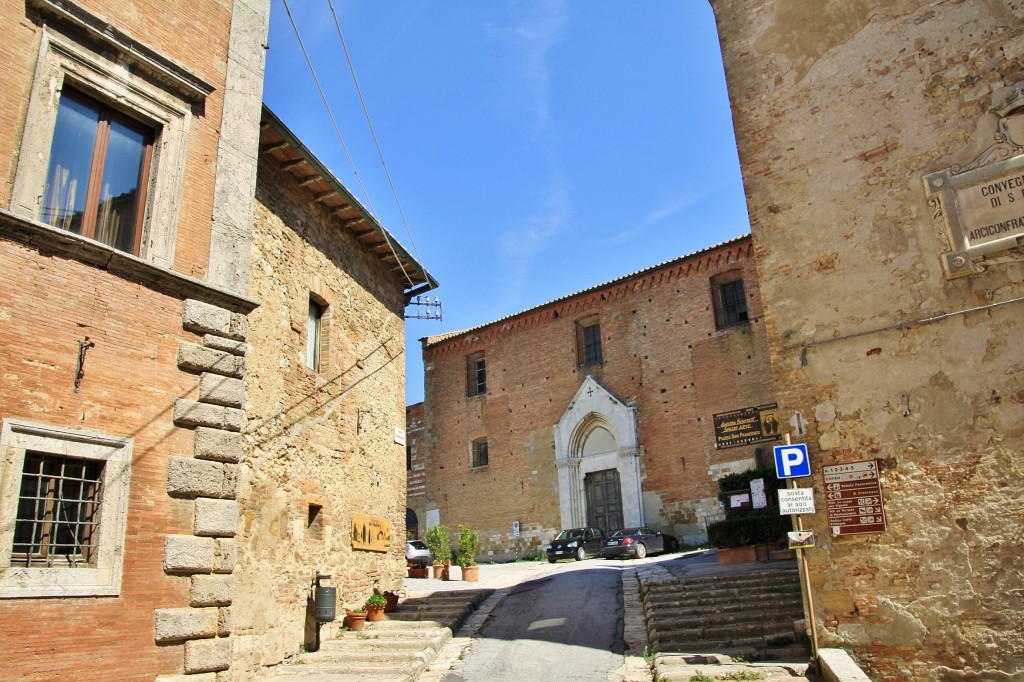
(371, 533)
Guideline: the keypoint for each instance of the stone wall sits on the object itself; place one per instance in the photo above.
(320, 446)
(662, 354)
(841, 109)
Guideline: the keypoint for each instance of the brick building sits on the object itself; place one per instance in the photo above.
(129, 497)
(881, 146)
(597, 408)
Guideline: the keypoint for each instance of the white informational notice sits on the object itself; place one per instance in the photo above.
(796, 501)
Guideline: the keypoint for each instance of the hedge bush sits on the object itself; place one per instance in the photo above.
(758, 525)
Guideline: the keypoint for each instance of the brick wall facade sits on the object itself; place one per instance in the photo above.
(663, 356)
(163, 348)
(841, 110)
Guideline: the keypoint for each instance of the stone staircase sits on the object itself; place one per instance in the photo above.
(747, 615)
(396, 649)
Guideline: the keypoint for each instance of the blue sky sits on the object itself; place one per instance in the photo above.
(537, 148)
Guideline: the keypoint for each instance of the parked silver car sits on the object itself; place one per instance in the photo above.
(416, 552)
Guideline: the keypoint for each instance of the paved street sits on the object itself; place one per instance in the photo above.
(566, 625)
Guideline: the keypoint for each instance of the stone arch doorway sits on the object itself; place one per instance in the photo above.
(412, 525)
(598, 460)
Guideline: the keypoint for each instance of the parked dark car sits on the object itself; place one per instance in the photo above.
(637, 543)
(575, 543)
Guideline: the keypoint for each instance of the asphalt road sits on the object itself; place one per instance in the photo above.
(565, 625)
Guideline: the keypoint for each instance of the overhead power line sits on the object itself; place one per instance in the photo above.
(373, 133)
(341, 139)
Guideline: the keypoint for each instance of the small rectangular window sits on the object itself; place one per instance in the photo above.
(98, 173)
(476, 374)
(588, 341)
(730, 301)
(480, 453)
(313, 331)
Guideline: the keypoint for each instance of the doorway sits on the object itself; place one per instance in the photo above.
(604, 500)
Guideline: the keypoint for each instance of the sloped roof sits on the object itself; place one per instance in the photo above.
(431, 340)
(277, 141)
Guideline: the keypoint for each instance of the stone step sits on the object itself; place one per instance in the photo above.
(680, 642)
(669, 618)
(342, 673)
(720, 591)
(740, 601)
(368, 657)
(684, 667)
(750, 577)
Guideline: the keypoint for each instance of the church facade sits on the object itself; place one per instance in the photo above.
(599, 408)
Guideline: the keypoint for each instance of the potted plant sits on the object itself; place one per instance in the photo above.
(392, 599)
(418, 571)
(744, 530)
(468, 543)
(355, 619)
(375, 607)
(440, 549)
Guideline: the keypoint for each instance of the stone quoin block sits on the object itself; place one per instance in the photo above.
(175, 625)
(195, 358)
(204, 318)
(221, 390)
(214, 517)
(201, 478)
(207, 655)
(212, 590)
(226, 345)
(217, 444)
(185, 554)
(191, 413)
(224, 556)
(225, 621)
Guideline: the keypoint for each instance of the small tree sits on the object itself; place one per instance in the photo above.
(438, 543)
(468, 542)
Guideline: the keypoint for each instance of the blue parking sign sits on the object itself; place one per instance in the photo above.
(791, 461)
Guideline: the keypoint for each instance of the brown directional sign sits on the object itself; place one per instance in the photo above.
(853, 498)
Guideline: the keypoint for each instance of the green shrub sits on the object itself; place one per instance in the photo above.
(468, 542)
(377, 600)
(438, 543)
(758, 525)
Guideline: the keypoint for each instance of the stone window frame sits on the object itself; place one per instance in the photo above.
(72, 56)
(478, 453)
(721, 307)
(476, 374)
(104, 579)
(589, 350)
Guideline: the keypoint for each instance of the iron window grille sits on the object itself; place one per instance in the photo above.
(58, 512)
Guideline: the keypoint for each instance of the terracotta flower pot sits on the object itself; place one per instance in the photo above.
(440, 572)
(392, 602)
(423, 572)
(355, 620)
(374, 612)
(471, 573)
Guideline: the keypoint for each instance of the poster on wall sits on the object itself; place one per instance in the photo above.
(371, 533)
(746, 426)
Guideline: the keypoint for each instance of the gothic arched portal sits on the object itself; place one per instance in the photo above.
(598, 460)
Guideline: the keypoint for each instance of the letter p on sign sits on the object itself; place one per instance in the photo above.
(791, 461)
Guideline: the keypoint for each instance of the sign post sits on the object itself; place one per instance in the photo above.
(792, 462)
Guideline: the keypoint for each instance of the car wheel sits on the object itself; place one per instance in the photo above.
(550, 560)
(672, 545)
(581, 554)
(641, 551)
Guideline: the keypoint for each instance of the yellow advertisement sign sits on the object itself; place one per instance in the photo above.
(371, 533)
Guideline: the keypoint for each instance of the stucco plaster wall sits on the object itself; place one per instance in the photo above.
(840, 109)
